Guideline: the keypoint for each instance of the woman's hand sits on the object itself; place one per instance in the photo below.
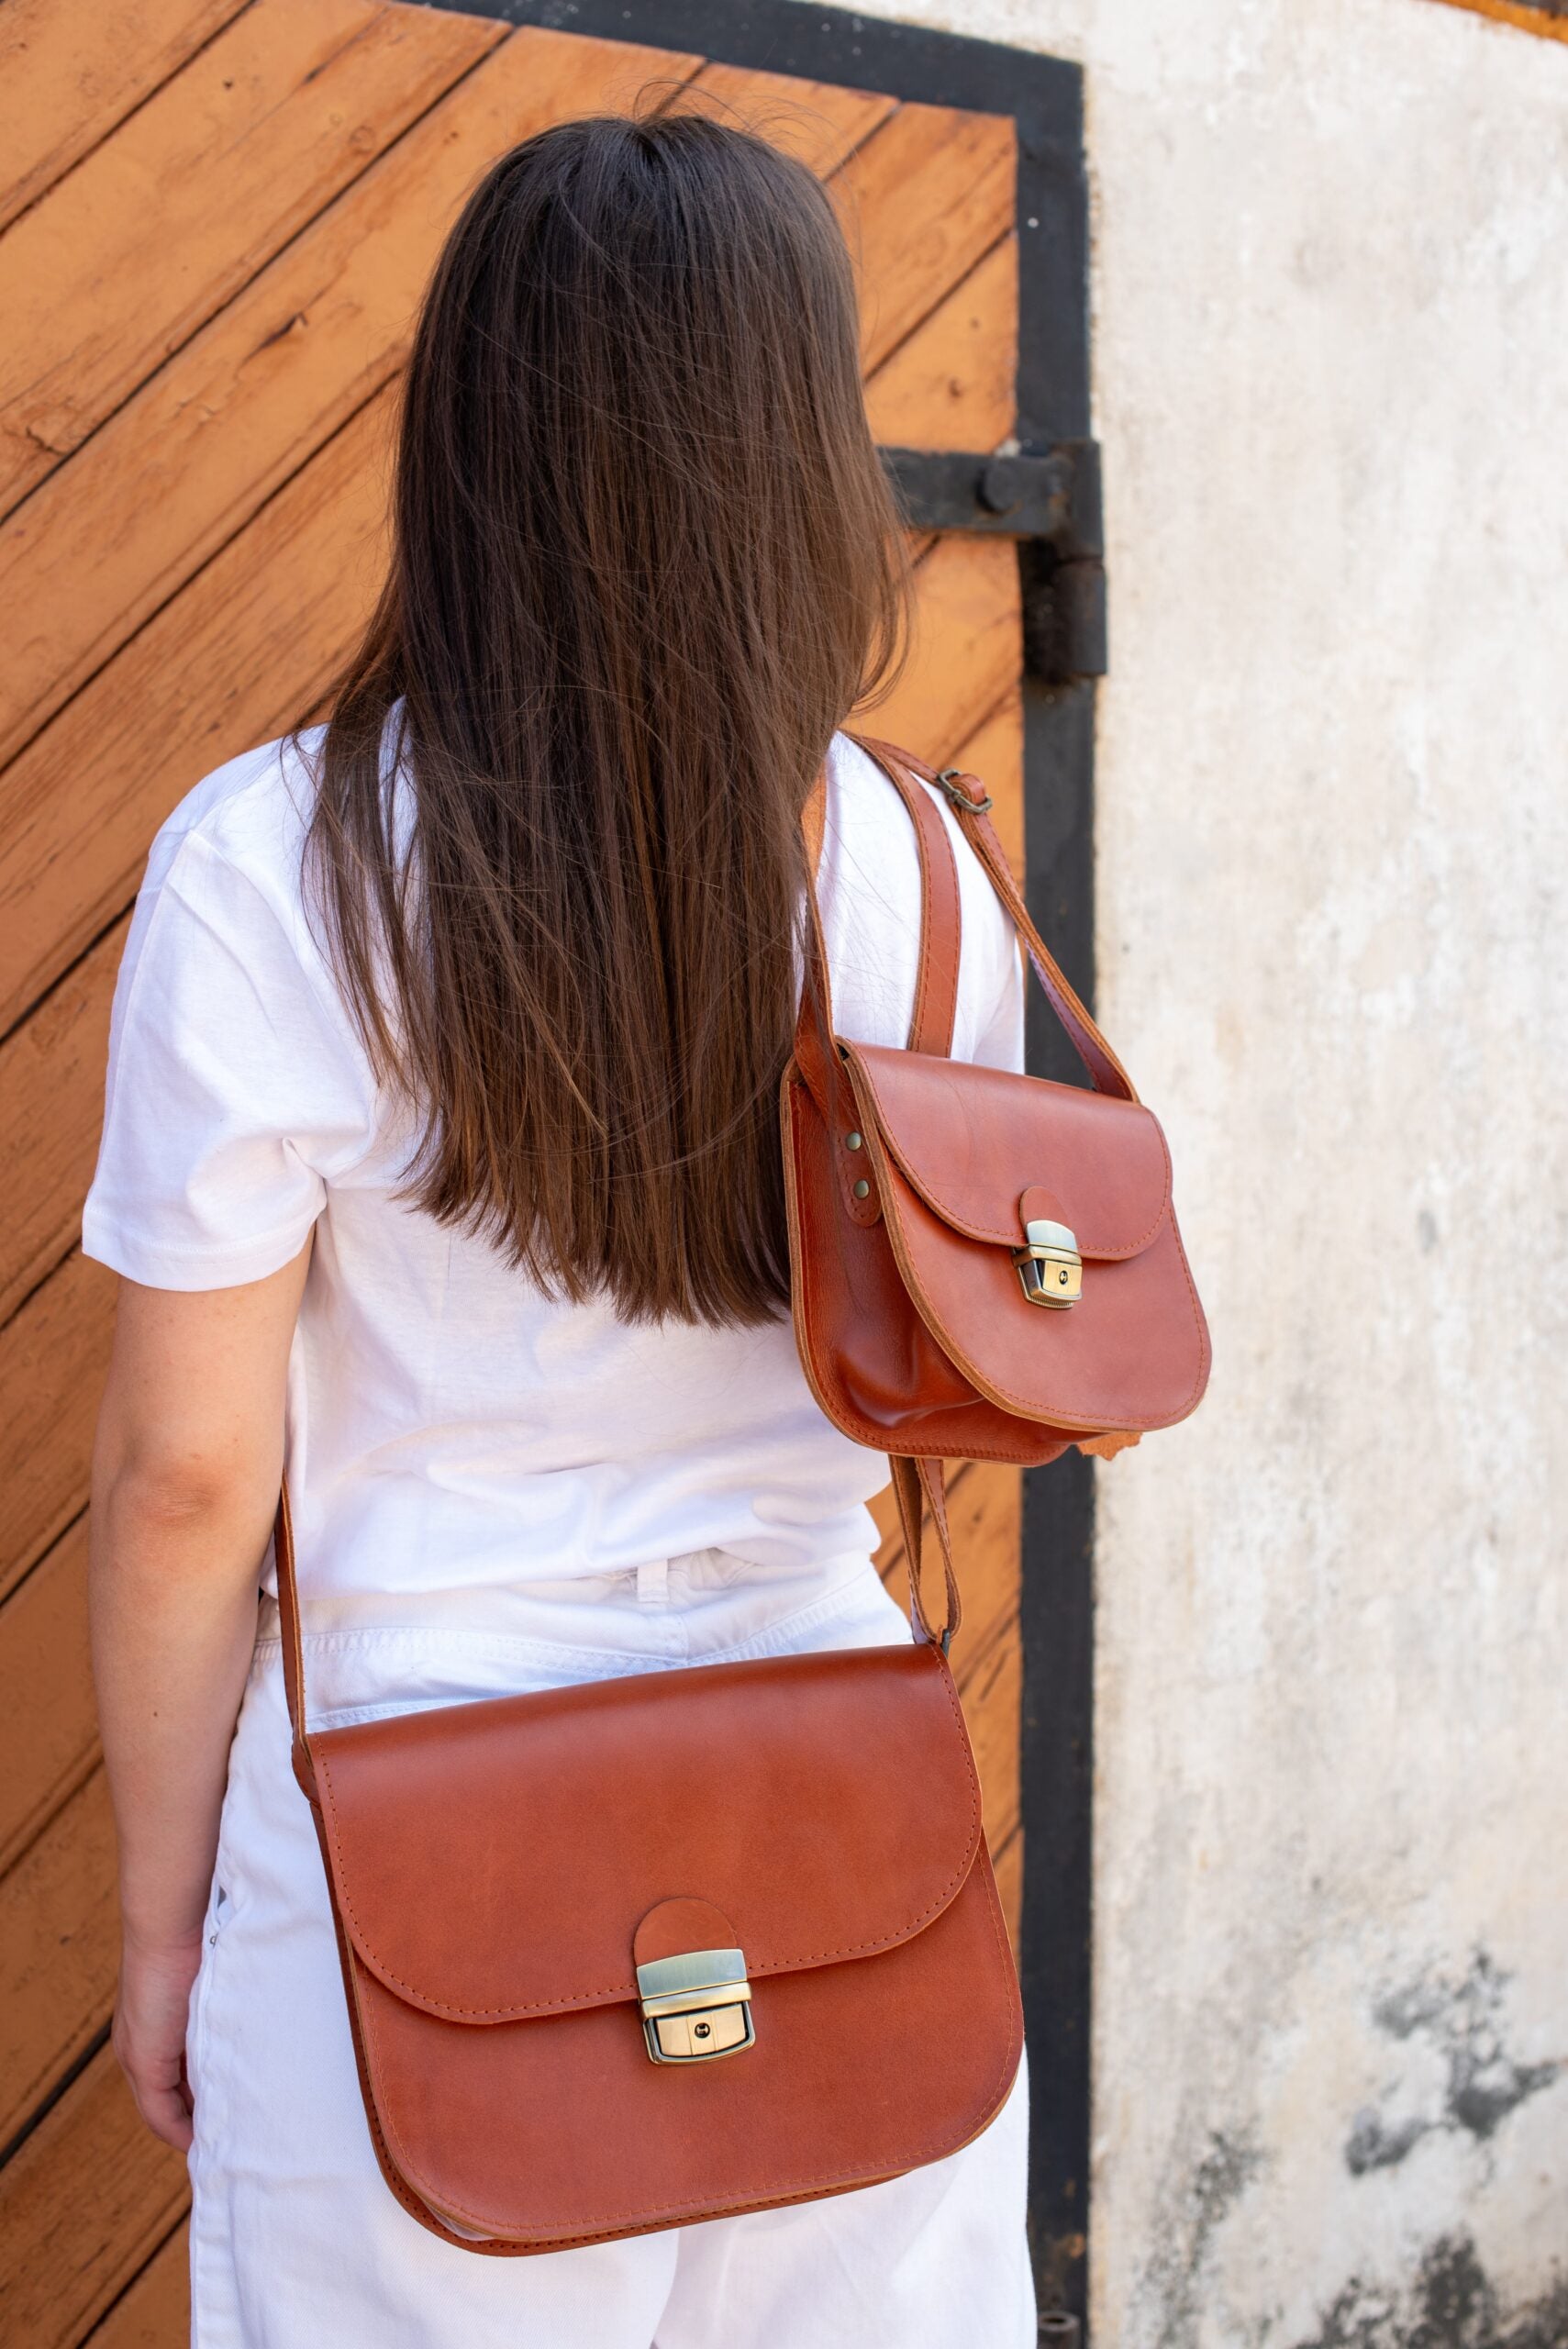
(149, 2036)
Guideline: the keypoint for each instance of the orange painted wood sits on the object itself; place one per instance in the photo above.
(993, 1695)
(155, 2313)
(232, 661)
(952, 383)
(49, 1727)
(123, 259)
(53, 1357)
(816, 121)
(61, 95)
(51, 1107)
(1008, 1865)
(1524, 16)
(994, 751)
(59, 1950)
(187, 461)
(968, 651)
(84, 2204)
(966, 647)
(924, 199)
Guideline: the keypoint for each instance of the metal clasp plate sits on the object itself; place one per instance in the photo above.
(1049, 1268)
(696, 2005)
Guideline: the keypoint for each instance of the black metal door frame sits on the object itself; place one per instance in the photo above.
(1047, 499)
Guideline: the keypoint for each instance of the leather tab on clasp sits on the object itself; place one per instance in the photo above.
(691, 1984)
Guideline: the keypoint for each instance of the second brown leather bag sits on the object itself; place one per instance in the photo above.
(985, 1265)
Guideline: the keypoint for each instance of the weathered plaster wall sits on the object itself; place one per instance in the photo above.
(1330, 287)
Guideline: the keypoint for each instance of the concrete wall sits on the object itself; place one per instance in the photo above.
(1330, 291)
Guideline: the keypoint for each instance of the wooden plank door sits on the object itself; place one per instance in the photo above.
(221, 219)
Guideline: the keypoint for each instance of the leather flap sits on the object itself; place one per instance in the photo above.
(972, 1140)
(954, 1149)
(493, 1861)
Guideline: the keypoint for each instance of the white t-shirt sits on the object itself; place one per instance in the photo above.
(450, 1426)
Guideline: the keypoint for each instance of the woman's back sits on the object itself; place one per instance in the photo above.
(452, 1428)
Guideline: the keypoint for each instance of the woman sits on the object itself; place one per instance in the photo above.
(442, 1134)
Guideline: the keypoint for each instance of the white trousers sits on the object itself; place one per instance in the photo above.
(296, 2242)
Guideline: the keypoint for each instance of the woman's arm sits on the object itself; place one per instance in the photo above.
(185, 1474)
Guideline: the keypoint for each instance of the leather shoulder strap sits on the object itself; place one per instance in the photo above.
(972, 801)
(292, 1642)
(942, 926)
(941, 921)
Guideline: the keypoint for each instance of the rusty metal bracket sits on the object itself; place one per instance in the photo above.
(1049, 501)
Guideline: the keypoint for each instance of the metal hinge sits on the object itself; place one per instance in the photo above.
(1049, 500)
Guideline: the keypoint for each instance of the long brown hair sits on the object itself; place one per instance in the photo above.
(644, 564)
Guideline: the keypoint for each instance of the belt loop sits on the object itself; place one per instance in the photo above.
(654, 1583)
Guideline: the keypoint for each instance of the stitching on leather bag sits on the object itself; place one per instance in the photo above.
(923, 981)
(761, 1966)
(990, 1231)
(989, 1386)
(771, 2190)
(829, 1395)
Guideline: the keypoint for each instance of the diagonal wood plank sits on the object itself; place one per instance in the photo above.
(48, 1124)
(124, 259)
(817, 122)
(155, 2313)
(1008, 1865)
(59, 1951)
(54, 1355)
(952, 383)
(994, 751)
(59, 96)
(52, 1105)
(922, 201)
(49, 1725)
(965, 656)
(992, 1697)
(84, 2204)
(232, 660)
(184, 465)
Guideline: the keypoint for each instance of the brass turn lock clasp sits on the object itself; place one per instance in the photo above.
(1049, 1268)
(696, 2006)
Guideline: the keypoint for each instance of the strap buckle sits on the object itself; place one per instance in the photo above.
(950, 782)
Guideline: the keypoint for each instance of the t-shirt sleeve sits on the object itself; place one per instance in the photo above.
(237, 1088)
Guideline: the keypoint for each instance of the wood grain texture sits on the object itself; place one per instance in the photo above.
(952, 383)
(1008, 1866)
(965, 656)
(49, 1724)
(53, 1357)
(817, 122)
(61, 95)
(992, 1697)
(120, 262)
(184, 465)
(240, 654)
(994, 751)
(155, 2313)
(84, 2204)
(51, 1109)
(922, 201)
(59, 1950)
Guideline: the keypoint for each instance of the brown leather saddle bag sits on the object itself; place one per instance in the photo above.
(555, 1911)
(629, 1954)
(983, 1266)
